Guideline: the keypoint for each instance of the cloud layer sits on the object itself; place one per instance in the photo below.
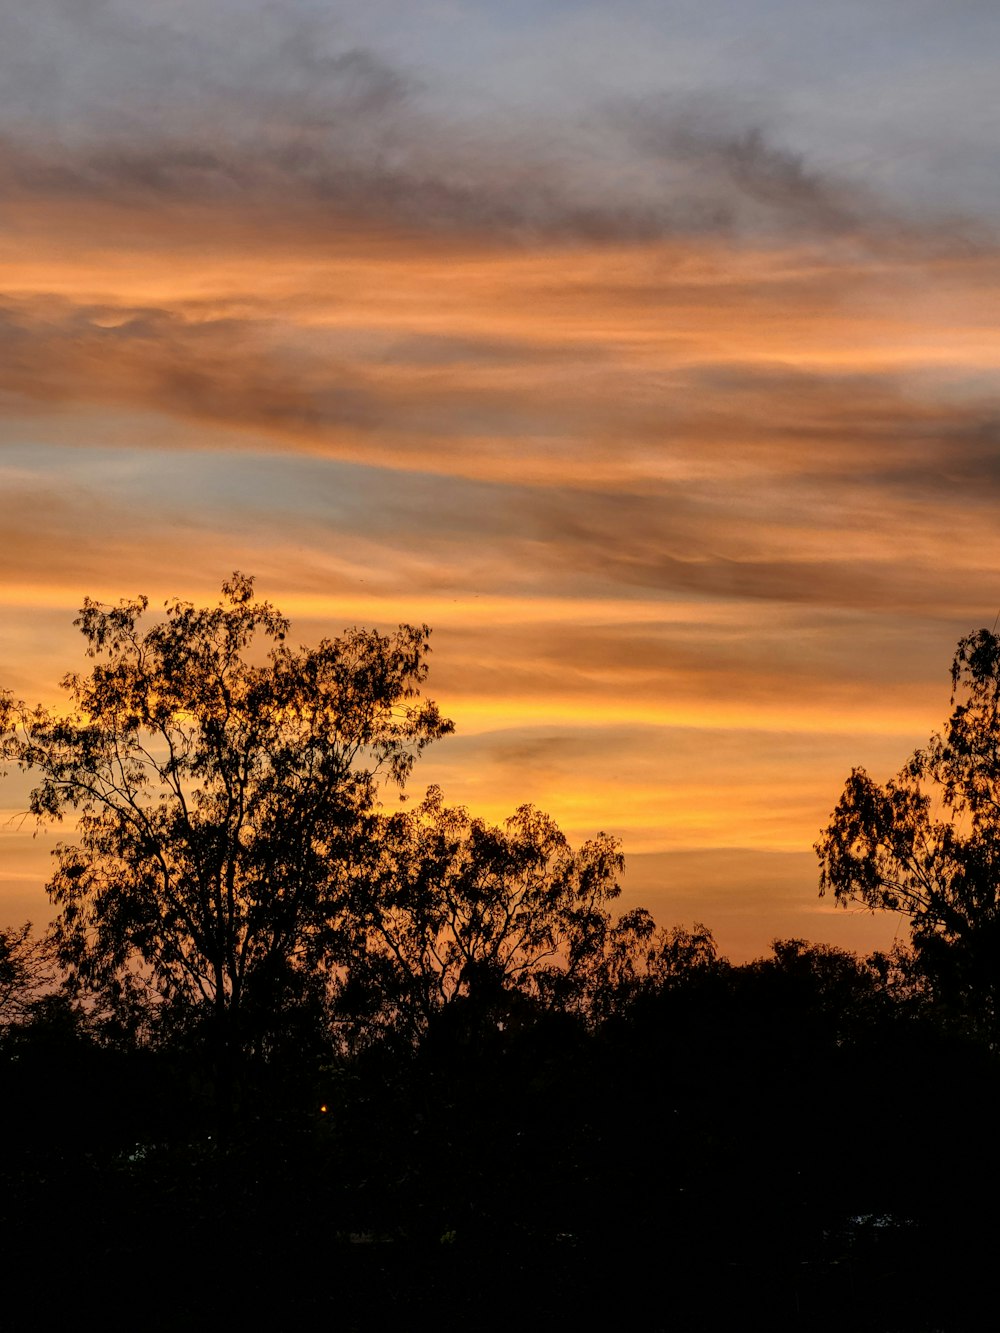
(658, 371)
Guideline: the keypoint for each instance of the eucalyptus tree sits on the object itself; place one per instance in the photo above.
(219, 784)
(453, 909)
(926, 843)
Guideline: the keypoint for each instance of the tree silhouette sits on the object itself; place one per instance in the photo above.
(455, 909)
(927, 842)
(27, 971)
(220, 782)
(637, 961)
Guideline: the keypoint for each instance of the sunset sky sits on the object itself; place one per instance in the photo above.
(648, 351)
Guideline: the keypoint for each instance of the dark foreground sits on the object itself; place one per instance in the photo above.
(756, 1148)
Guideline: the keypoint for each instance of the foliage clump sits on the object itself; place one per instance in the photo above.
(926, 843)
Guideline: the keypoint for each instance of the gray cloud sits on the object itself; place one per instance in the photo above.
(283, 112)
(736, 173)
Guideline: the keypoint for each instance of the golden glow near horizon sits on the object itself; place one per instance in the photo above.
(681, 436)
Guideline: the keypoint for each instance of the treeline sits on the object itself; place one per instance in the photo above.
(807, 1136)
(295, 1049)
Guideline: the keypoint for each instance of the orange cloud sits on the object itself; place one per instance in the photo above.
(681, 502)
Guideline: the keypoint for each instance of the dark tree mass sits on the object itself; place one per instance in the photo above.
(294, 1052)
(927, 842)
(224, 797)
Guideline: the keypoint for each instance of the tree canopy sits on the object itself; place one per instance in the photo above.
(927, 842)
(27, 970)
(219, 781)
(453, 908)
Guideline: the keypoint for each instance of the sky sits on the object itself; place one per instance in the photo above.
(648, 351)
